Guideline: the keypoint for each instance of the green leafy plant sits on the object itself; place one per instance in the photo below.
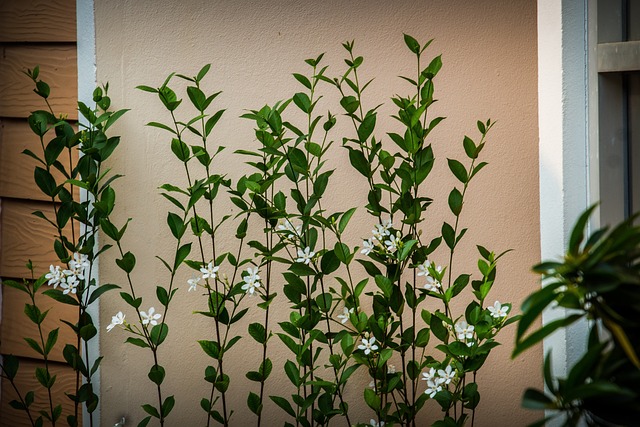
(383, 309)
(73, 281)
(598, 279)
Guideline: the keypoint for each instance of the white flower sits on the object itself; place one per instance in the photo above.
(382, 230)
(387, 224)
(391, 369)
(305, 256)
(150, 318)
(464, 330)
(498, 310)
(374, 423)
(429, 376)
(116, 320)
(393, 242)
(367, 246)
(69, 285)
(432, 284)
(210, 272)
(368, 345)
(432, 388)
(284, 225)
(345, 315)
(193, 283)
(54, 276)
(447, 374)
(251, 281)
(423, 269)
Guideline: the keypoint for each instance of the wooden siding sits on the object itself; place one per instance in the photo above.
(17, 168)
(24, 236)
(26, 381)
(58, 67)
(37, 20)
(11, 338)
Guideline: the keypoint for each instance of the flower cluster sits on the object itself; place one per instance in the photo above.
(368, 345)
(70, 278)
(210, 272)
(382, 239)
(436, 379)
(433, 275)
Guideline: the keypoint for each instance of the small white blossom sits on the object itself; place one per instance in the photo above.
(432, 284)
(193, 283)
(367, 246)
(447, 374)
(391, 369)
(151, 318)
(423, 269)
(345, 315)
(285, 226)
(382, 230)
(430, 375)
(251, 281)
(116, 320)
(464, 330)
(498, 310)
(374, 423)
(210, 272)
(368, 345)
(433, 387)
(70, 285)
(54, 276)
(393, 242)
(305, 256)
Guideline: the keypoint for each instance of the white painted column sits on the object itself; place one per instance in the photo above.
(85, 24)
(563, 88)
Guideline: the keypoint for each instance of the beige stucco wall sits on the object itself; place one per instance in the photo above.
(489, 55)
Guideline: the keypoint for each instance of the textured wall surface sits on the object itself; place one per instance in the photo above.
(489, 55)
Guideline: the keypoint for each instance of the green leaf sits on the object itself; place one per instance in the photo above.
(366, 127)
(127, 262)
(455, 202)
(181, 255)
(470, 147)
(45, 181)
(284, 404)
(52, 338)
(211, 348)
(168, 405)
(302, 79)
(372, 399)
(176, 225)
(350, 104)
(149, 409)
(180, 149)
(156, 374)
(10, 366)
(543, 332)
(458, 170)
(159, 334)
(101, 290)
(344, 220)
(137, 341)
(57, 295)
(253, 403)
(258, 333)
(412, 44)
(302, 101)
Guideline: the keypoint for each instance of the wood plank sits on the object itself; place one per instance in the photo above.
(17, 168)
(24, 236)
(15, 324)
(26, 381)
(58, 67)
(38, 21)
